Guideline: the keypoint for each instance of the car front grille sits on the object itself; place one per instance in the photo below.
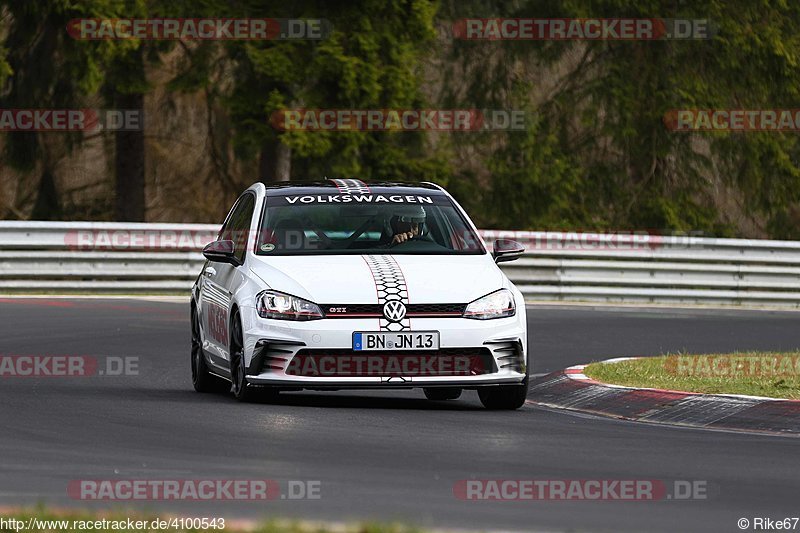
(349, 363)
(376, 310)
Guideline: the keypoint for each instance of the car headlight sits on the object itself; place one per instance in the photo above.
(274, 304)
(498, 304)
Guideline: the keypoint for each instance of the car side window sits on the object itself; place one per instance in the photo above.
(237, 228)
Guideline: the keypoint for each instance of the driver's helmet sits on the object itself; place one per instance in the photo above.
(403, 216)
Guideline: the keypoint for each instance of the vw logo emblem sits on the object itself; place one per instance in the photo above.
(394, 311)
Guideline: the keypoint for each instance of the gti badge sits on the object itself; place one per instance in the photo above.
(394, 311)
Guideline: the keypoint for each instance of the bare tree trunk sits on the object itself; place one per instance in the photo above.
(47, 206)
(275, 162)
(129, 166)
(266, 171)
(283, 162)
(127, 87)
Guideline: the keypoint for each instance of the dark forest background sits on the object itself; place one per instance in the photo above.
(595, 154)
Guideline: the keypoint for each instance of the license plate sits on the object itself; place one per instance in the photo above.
(395, 341)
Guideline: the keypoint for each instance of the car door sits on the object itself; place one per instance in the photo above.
(218, 281)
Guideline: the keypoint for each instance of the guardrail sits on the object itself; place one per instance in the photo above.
(126, 258)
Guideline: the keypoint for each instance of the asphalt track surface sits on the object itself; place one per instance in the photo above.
(379, 455)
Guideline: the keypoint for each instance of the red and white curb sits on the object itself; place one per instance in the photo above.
(571, 389)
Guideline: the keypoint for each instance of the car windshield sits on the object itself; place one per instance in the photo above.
(369, 223)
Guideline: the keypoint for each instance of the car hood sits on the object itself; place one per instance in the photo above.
(348, 279)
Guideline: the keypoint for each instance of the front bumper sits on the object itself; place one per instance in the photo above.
(271, 345)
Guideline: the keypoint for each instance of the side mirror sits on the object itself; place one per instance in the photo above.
(507, 250)
(221, 252)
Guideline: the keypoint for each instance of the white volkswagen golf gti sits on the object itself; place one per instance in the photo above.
(340, 284)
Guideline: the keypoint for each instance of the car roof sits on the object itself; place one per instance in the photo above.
(351, 186)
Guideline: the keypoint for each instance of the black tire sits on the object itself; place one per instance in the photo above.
(202, 379)
(505, 397)
(243, 391)
(444, 393)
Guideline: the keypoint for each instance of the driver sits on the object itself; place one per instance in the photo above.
(407, 223)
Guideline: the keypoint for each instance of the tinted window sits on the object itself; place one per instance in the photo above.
(351, 225)
(237, 228)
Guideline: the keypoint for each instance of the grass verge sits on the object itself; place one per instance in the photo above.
(771, 374)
